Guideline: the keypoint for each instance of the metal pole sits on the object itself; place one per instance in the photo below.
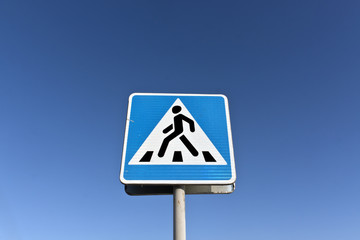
(179, 213)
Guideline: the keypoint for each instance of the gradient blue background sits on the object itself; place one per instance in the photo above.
(289, 68)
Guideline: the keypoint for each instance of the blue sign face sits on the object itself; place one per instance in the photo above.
(177, 139)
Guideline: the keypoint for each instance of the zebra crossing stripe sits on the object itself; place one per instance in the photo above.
(177, 156)
(208, 157)
(147, 156)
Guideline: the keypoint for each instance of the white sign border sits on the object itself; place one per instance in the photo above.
(179, 182)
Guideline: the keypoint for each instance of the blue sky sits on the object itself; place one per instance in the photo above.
(289, 69)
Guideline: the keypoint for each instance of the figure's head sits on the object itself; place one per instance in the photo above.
(176, 109)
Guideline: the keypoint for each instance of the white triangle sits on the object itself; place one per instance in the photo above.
(197, 138)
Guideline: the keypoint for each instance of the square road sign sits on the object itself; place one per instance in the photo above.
(178, 139)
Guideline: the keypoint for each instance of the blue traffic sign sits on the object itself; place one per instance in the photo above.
(178, 139)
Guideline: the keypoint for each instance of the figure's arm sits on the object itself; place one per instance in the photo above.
(191, 123)
(166, 130)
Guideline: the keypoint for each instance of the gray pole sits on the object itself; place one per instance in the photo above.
(179, 213)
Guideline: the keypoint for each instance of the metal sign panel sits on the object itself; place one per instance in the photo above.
(177, 139)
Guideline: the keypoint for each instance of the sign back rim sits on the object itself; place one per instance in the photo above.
(176, 182)
(144, 189)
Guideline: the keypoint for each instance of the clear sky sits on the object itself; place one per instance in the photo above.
(290, 70)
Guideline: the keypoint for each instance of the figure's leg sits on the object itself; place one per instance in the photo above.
(189, 146)
(163, 147)
(166, 142)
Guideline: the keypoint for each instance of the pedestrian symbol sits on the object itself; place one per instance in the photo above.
(178, 139)
(178, 129)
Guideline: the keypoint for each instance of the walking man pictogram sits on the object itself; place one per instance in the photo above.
(178, 129)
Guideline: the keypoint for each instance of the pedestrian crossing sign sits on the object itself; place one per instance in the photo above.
(177, 139)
